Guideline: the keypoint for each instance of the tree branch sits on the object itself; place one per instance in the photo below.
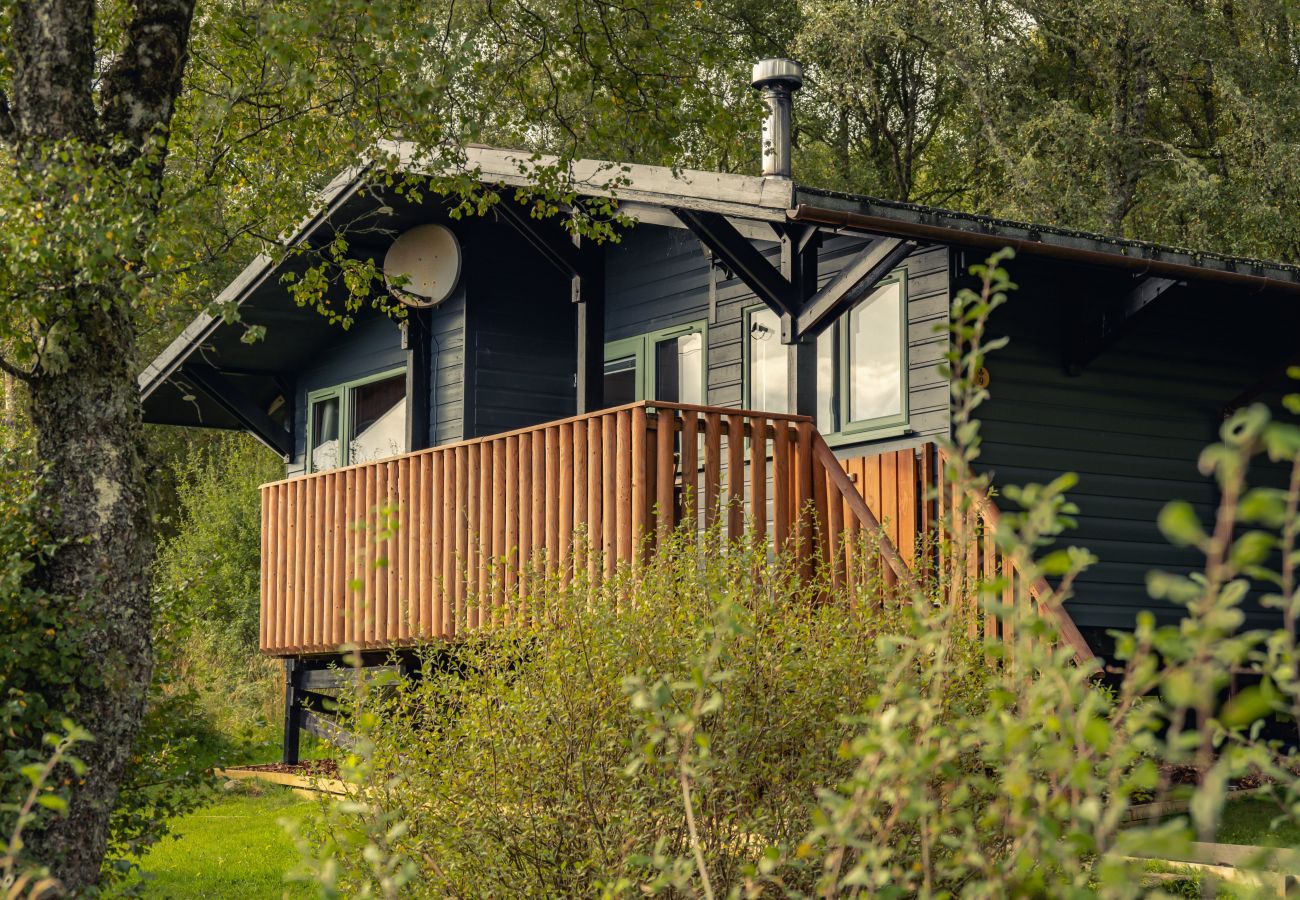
(23, 375)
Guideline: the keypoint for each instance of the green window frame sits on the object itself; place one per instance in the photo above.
(641, 349)
(843, 428)
(343, 394)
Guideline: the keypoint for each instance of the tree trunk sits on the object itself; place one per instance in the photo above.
(83, 399)
(87, 425)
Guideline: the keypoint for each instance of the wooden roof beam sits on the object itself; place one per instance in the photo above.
(743, 258)
(1101, 332)
(558, 249)
(225, 394)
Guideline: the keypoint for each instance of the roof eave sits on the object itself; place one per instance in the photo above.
(941, 226)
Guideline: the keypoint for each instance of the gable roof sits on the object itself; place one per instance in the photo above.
(650, 193)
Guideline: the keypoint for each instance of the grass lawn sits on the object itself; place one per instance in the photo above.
(234, 848)
(1246, 821)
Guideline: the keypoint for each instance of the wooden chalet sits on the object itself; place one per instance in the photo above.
(752, 345)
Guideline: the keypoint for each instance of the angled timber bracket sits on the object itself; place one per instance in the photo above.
(791, 291)
(851, 284)
(733, 250)
(248, 414)
(553, 243)
(1093, 336)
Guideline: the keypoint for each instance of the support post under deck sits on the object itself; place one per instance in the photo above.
(292, 710)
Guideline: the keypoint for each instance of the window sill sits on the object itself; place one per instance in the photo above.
(867, 436)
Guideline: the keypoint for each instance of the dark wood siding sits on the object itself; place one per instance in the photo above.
(447, 404)
(658, 277)
(1131, 425)
(520, 334)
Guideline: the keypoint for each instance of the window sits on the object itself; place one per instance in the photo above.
(769, 376)
(861, 364)
(324, 430)
(670, 365)
(369, 413)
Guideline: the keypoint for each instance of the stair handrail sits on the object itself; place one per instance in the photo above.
(1039, 590)
(858, 507)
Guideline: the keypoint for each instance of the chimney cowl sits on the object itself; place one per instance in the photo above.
(784, 72)
(778, 79)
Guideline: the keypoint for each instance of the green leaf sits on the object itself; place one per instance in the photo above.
(52, 801)
(1178, 523)
(1243, 709)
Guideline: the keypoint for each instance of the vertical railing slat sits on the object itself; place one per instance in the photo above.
(623, 460)
(403, 501)
(460, 568)
(595, 496)
(640, 481)
(782, 475)
(552, 500)
(564, 512)
(691, 468)
(735, 477)
(758, 479)
(581, 513)
(803, 489)
(839, 551)
(665, 477)
(609, 491)
(500, 481)
(712, 467)
(526, 537)
(511, 587)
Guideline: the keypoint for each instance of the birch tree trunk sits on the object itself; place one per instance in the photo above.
(75, 120)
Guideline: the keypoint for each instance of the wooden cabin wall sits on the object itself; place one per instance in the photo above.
(658, 277)
(374, 344)
(1131, 424)
(521, 341)
(447, 406)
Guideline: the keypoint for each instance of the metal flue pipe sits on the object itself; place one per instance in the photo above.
(778, 79)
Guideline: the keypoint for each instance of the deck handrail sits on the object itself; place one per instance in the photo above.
(459, 527)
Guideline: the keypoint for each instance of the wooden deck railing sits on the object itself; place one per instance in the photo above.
(435, 543)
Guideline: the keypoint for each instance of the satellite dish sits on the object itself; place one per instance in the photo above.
(423, 265)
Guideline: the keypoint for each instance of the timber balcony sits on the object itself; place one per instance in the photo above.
(433, 544)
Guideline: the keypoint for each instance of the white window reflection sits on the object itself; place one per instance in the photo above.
(679, 369)
(769, 383)
(875, 356)
(378, 421)
(826, 419)
(325, 434)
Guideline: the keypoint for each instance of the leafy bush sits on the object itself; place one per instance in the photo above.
(40, 679)
(207, 572)
(207, 587)
(549, 762)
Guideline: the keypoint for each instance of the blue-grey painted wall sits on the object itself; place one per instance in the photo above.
(447, 406)
(1131, 425)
